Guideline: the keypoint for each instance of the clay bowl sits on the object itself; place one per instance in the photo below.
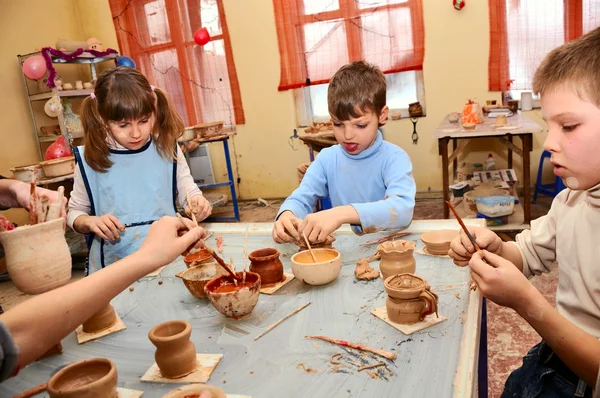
(469, 126)
(405, 286)
(92, 378)
(194, 391)
(438, 242)
(58, 167)
(234, 302)
(325, 270)
(101, 320)
(197, 277)
(202, 256)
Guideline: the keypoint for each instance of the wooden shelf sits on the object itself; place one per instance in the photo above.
(62, 93)
(55, 179)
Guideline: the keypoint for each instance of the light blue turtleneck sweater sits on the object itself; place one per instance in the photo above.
(377, 182)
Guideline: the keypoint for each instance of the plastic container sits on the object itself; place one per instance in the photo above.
(490, 163)
(495, 205)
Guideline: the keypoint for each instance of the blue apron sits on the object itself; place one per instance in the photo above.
(139, 188)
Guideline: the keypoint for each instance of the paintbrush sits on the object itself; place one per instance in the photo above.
(464, 227)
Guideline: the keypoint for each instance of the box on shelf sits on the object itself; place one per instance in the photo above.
(495, 205)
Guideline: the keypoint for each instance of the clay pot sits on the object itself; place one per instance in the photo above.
(397, 258)
(233, 301)
(101, 320)
(90, 378)
(267, 264)
(37, 256)
(175, 354)
(194, 391)
(327, 244)
(409, 298)
(438, 242)
(196, 277)
(325, 270)
(202, 256)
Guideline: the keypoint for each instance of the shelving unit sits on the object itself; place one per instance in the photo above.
(34, 95)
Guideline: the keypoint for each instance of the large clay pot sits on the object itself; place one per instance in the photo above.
(175, 354)
(267, 264)
(409, 298)
(233, 301)
(397, 258)
(101, 320)
(197, 277)
(37, 256)
(90, 378)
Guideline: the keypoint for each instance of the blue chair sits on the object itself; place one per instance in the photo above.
(552, 189)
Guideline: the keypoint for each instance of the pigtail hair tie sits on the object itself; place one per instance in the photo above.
(93, 96)
(152, 87)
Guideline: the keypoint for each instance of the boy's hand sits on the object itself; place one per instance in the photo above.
(167, 239)
(500, 280)
(106, 227)
(286, 228)
(318, 226)
(461, 248)
(199, 206)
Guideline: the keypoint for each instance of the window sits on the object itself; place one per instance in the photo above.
(524, 31)
(201, 81)
(317, 37)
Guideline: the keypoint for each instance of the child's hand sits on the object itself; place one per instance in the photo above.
(106, 227)
(199, 206)
(286, 228)
(167, 239)
(317, 226)
(500, 280)
(461, 248)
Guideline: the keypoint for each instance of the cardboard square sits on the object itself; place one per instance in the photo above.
(273, 288)
(83, 337)
(156, 272)
(127, 393)
(423, 250)
(429, 321)
(206, 364)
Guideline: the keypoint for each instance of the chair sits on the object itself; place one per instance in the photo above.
(552, 189)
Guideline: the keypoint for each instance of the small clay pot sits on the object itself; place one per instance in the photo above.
(438, 242)
(202, 256)
(267, 264)
(397, 258)
(90, 378)
(175, 354)
(325, 270)
(194, 391)
(197, 277)
(233, 301)
(101, 320)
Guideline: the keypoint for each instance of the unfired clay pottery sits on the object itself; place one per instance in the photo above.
(101, 320)
(267, 264)
(438, 242)
(78, 85)
(233, 301)
(194, 391)
(90, 378)
(175, 354)
(325, 270)
(327, 244)
(396, 257)
(409, 298)
(197, 277)
(200, 257)
(37, 256)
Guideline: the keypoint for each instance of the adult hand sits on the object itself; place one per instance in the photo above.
(286, 228)
(21, 193)
(461, 248)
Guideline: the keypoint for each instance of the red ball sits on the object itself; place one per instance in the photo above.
(458, 4)
(201, 36)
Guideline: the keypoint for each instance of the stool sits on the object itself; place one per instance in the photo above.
(546, 189)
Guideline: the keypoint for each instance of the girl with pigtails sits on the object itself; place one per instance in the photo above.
(130, 171)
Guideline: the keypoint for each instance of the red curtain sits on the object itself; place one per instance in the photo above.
(317, 37)
(522, 32)
(201, 81)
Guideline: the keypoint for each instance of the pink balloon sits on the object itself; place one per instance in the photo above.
(35, 67)
(201, 36)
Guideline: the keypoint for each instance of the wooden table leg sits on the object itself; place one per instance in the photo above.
(443, 148)
(455, 161)
(527, 143)
(509, 137)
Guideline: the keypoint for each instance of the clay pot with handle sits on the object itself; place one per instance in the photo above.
(409, 298)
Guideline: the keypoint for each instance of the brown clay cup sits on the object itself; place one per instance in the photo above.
(409, 298)
(90, 378)
(175, 354)
(101, 320)
(267, 264)
(194, 391)
(236, 302)
(195, 278)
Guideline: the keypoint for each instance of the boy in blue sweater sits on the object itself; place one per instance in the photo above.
(368, 180)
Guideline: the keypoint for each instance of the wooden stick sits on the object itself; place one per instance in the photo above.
(272, 326)
(233, 268)
(32, 202)
(371, 366)
(385, 239)
(189, 202)
(245, 255)
(344, 343)
(309, 248)
(32, 391)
